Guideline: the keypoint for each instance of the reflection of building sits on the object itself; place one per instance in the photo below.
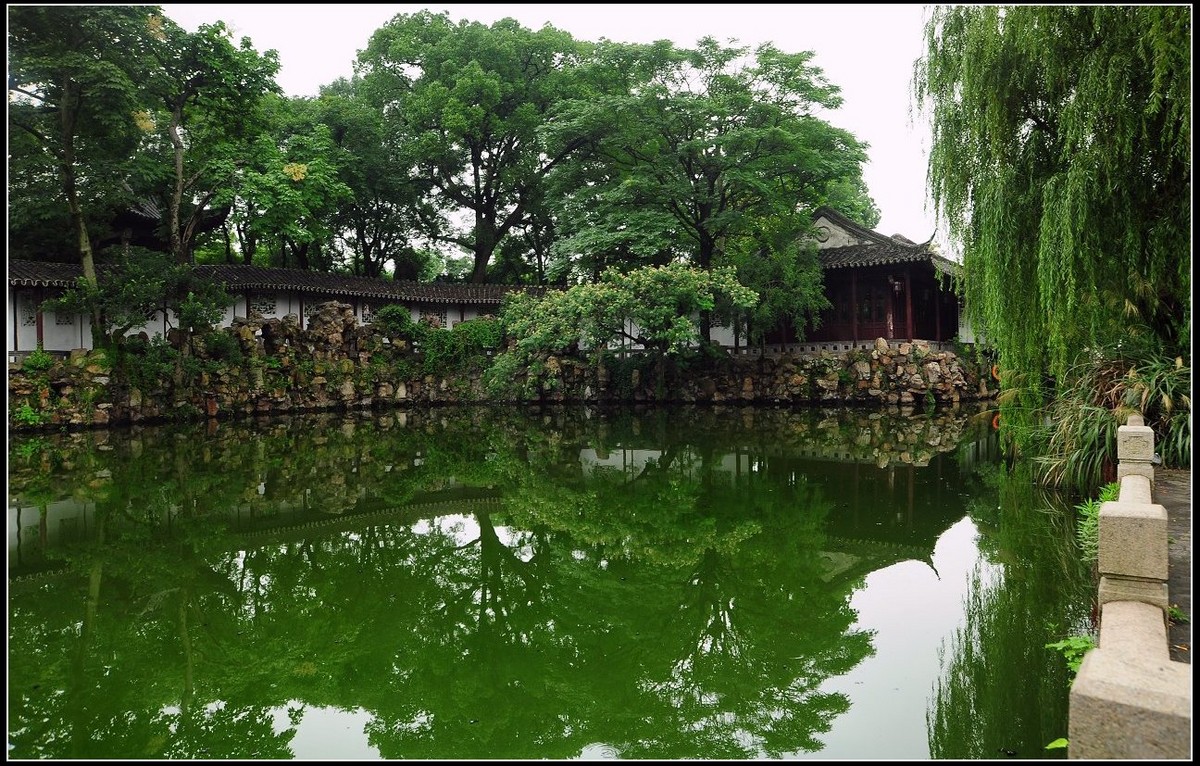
(35, 529)
(877, 515)
(36, 534)
(881, 515)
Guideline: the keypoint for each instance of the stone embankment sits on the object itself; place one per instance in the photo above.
(259, 366)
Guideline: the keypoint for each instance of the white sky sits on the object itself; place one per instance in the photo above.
(866, 50)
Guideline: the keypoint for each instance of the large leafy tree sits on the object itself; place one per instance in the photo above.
(285, 197)
(206, 93)
(73, 78)
(464, 104)
(382, 224)
(1061, 160)
(720, 151)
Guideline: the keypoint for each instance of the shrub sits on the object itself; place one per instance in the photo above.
(223, 347)
(38, 360)
(1088, 530)
(395, 321)
(28, 416)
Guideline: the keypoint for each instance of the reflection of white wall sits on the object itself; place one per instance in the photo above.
(631, 462)
(64, 521)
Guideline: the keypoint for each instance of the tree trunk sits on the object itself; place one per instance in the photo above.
(87, 260)
(177, 192)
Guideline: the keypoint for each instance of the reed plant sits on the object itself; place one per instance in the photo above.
(1078, 432)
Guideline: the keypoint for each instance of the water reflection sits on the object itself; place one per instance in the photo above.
(471, 583)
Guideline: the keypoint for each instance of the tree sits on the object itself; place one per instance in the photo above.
(1061, 161)
(655, 307)
(716, 152)
(142, 283)
(383, 222)
(289, 193)
(207, 92)
(464, 103)
(74, 76)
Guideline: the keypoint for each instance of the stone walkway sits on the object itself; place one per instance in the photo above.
(1173, 491)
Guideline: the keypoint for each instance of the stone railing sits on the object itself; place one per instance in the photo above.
(1129, 699)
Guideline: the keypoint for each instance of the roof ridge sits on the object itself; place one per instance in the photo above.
(863, 231)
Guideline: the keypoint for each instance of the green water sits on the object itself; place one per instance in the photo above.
(537, 584)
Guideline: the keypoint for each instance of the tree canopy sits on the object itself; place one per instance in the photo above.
(464, 102)
(1061, 159)
(516, 155)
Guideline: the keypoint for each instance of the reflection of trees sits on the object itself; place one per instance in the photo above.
(1002, 690)
(679, 613)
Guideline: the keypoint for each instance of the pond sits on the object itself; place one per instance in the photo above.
(514, 583)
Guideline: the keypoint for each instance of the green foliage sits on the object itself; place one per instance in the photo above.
(654, 307)
(1159, 387)
(1177, 615)
(73, 94)
(1064, 170)
(219, 113)
(1058, 744)
(142, 283)
(466, 105)
(712, 156)
(1087, 531)
(930, 400)
(26, 415)
(288, 196)
(395, 321)
(1074, 648)
(148, 366)
(38, 361)
(1077, 445)
(223, 347)
(460, 347)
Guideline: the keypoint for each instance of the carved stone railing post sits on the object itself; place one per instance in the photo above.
(1129, 700)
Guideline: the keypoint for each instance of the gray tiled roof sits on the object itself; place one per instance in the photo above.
(857, 256)
(239, 278)
(879, 250)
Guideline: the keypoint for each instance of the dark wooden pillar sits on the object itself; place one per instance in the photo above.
(908, 307)
(38, 297)
(853, 306)
(937, 310)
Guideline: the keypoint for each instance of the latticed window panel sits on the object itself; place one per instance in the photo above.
(437, 317)
(28, 313)
(368, 311)
(263, 305)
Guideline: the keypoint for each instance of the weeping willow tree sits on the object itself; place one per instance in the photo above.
(1061, 164)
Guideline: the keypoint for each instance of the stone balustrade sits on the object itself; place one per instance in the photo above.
(1129, 699)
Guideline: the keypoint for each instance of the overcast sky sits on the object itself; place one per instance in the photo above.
(866, 50)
